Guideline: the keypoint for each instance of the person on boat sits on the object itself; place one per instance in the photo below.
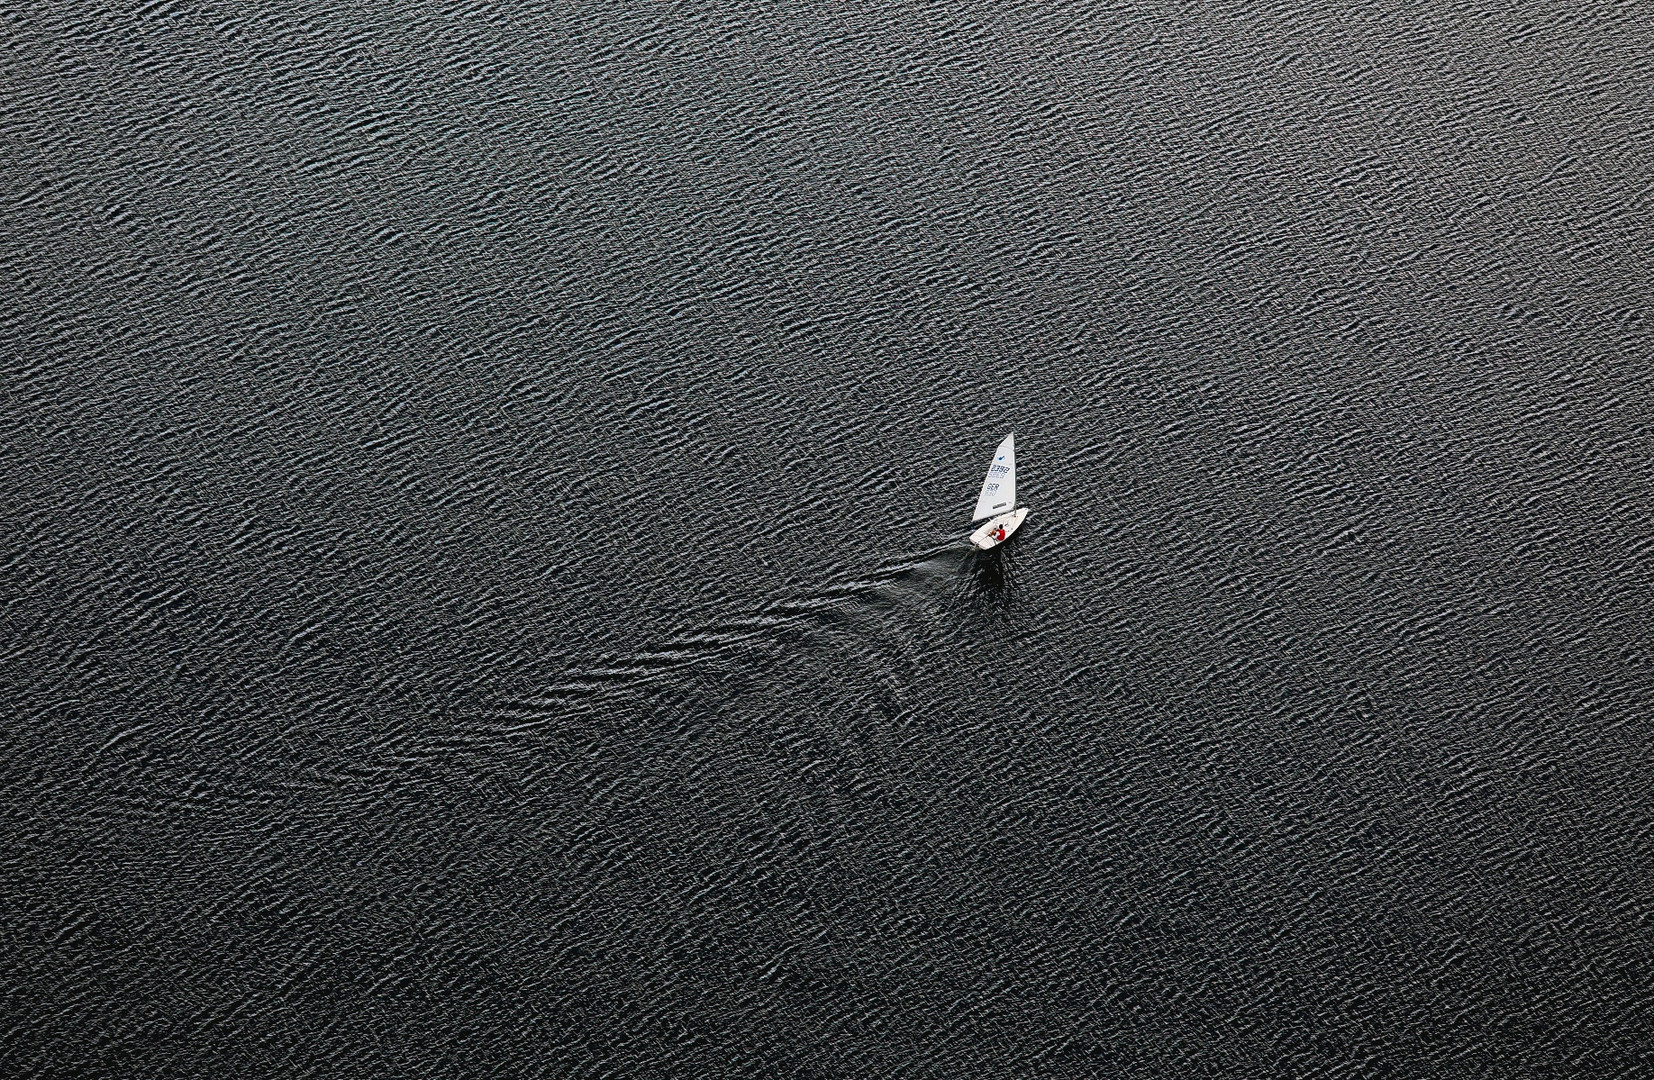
(999, 534)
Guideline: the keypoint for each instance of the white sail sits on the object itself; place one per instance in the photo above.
(999, 490)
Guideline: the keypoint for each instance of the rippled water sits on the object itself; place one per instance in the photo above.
(483, 589)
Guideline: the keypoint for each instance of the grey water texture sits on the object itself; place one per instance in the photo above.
(483, 588)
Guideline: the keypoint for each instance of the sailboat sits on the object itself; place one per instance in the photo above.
(998, 500)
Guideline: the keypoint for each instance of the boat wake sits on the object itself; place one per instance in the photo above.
(893, 611)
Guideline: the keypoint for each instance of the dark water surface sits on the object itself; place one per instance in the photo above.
(482, 581)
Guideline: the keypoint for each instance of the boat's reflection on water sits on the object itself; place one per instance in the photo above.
(987, 579)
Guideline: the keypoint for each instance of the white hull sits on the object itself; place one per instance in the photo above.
(987, 536)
